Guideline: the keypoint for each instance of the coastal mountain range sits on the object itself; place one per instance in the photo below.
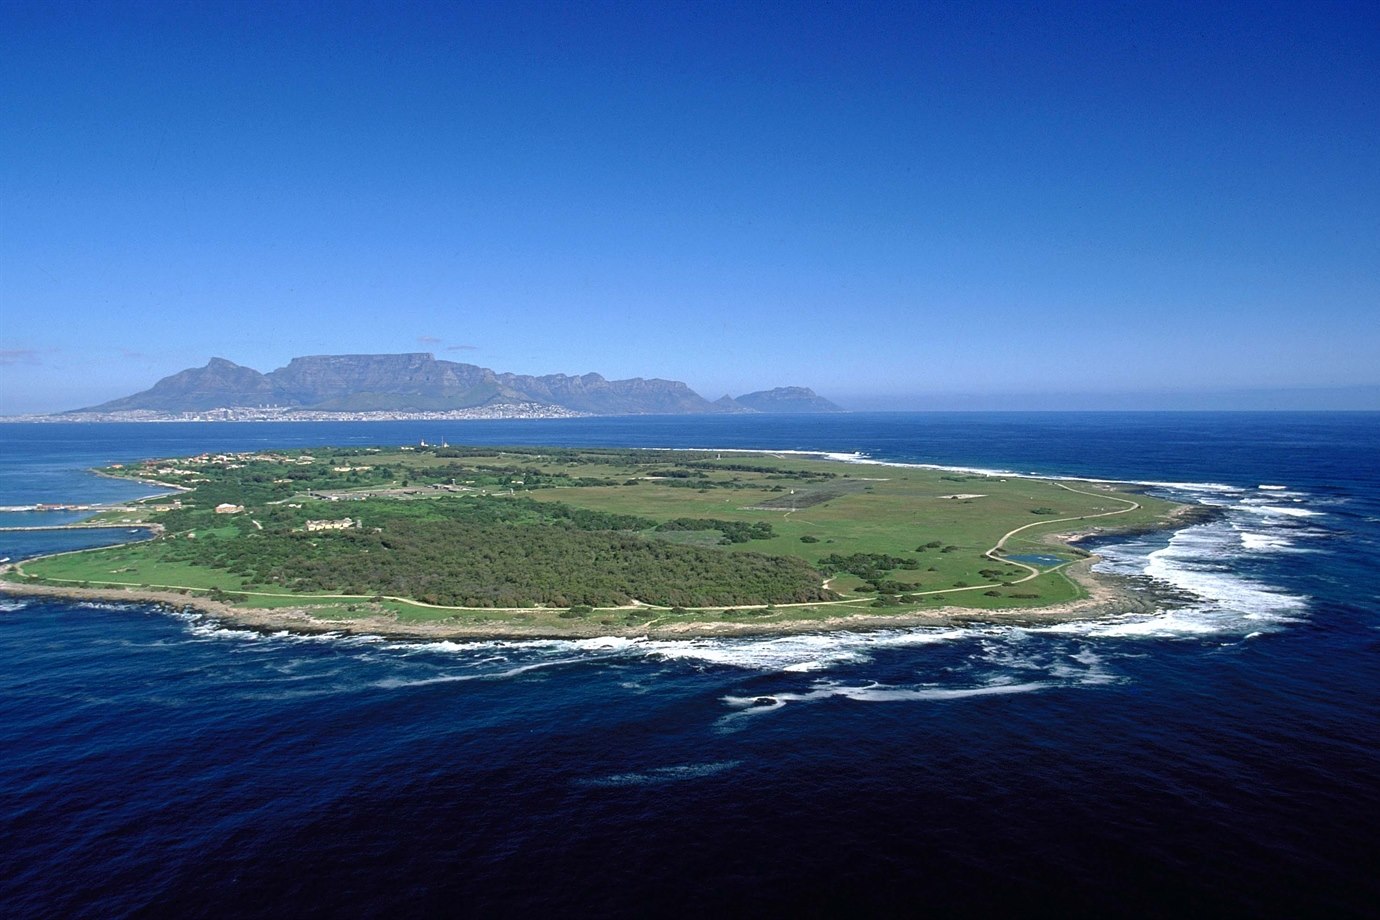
(418, 382)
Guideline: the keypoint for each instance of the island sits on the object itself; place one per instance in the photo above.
(435, 540)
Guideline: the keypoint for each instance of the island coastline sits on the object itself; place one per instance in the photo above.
(1103, 595)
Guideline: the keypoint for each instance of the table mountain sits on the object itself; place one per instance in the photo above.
(419, 382)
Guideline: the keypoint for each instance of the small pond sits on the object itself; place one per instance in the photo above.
(1035, 559)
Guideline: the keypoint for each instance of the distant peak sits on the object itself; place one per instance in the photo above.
(787, 399)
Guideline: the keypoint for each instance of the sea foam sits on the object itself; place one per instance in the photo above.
(659, 775)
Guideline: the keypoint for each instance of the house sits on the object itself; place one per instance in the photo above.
(227, 508)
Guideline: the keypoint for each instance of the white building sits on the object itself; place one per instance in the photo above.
(342, 524)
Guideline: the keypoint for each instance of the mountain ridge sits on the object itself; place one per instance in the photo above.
(418, 382)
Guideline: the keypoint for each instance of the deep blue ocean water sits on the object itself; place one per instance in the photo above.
(1217, 758)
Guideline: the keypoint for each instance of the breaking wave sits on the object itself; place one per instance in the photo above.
(744, 709)
(863, 458)
(661, 775)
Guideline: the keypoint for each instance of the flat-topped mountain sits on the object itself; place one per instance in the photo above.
(787, 399)
(417, 382)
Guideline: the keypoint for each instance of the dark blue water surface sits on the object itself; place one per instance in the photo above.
(17, 545)
(1216, 757)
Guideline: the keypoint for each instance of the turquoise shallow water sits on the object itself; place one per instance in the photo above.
(1218, 757)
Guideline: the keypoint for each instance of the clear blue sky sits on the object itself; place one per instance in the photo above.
(896, 204)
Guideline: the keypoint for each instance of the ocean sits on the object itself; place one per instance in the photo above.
(1221, 757)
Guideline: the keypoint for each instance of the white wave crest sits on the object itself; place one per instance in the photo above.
(1276, 510)
(395, 683)
(658, 775)
(881, 694)
(810, 652)
(863, 458)
(748, 707)
(1179, 623)
(1265, 542)
(1202, 562)
(1193, 562)
(211, 630)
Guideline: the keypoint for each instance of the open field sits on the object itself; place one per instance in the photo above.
(561, 540)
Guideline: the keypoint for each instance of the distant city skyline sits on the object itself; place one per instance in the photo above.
(901, 206)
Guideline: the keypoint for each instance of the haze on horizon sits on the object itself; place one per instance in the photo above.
(905, 206)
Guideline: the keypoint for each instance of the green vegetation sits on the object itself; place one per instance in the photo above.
(618, 537)
(465, 562)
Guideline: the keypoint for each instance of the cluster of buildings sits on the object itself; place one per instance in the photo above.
(224, 461)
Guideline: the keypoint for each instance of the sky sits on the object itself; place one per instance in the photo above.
(901, 205)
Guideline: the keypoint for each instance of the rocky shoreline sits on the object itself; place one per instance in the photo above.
(1107, 595)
